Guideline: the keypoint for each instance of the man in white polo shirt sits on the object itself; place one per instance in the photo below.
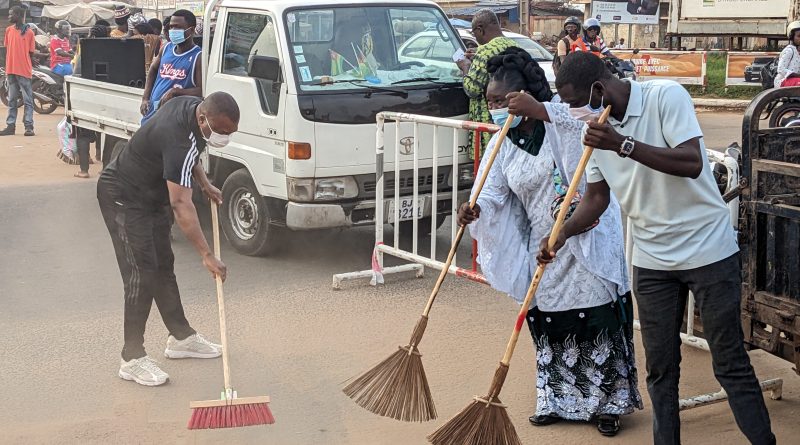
(651, 155)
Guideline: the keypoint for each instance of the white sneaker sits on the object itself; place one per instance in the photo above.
(144, 371)
(193, 346)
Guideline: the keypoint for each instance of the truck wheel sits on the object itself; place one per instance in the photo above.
(423, 226)
(245, 217)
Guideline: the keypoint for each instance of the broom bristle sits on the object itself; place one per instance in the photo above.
(478, 424)
(230, 416)
(396, 388)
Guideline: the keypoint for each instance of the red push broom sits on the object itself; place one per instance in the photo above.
(485, 420)
(397, 387)
(229, 411)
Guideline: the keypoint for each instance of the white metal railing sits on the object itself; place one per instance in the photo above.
(417, 261)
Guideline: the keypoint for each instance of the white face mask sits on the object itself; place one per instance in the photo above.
(586, 112)
(216, 140)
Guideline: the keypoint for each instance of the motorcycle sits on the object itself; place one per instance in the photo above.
(47, 88)
(784, 111)
(623, 69)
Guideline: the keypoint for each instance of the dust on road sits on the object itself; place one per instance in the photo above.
(291, 336)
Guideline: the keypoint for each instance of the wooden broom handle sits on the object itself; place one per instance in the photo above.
(223, 329)
(562, 215)
(472, 201)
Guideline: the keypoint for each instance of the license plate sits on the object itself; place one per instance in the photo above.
(406, 210)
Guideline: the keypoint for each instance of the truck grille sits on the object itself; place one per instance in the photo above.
(425, 182)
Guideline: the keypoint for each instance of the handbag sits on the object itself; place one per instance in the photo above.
(66, 137)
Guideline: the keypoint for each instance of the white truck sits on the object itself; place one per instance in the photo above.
(309, 77)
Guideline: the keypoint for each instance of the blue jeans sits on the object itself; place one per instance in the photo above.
(661, 297)
(16, 85)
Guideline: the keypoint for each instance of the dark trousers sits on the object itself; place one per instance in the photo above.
(661, 297)
(144, 254)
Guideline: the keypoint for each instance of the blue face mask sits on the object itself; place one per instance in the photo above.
(177, 36)
(500, 116)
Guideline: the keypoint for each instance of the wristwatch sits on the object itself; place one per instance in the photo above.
(627, 147)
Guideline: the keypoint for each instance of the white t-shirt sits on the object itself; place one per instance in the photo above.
(677, 223)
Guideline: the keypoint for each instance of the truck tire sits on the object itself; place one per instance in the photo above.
(245, 216)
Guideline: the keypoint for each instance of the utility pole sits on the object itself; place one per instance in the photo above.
(524, 17)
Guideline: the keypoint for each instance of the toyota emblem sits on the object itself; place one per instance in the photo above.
(407, 145)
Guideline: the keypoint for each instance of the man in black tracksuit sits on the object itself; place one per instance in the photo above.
(157, 168)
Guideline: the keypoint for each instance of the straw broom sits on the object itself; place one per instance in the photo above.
(485, 420)
(397, 387)
(229, 411)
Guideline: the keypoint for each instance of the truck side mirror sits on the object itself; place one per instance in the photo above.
(265, 67)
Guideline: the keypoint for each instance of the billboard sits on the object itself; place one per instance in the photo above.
(745, 68)
(685, 67)
(734, 9)
(641, 12)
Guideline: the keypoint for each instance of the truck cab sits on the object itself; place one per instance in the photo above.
(310, 77)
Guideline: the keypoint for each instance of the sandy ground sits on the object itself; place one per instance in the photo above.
(292, 337)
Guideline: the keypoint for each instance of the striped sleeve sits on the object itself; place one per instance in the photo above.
(179, 162)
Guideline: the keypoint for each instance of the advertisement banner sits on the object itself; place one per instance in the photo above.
(640, 12)
(197, 8)
(685, 67)
(734, 9)
(745, 68)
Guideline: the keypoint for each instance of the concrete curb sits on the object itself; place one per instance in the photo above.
(729, 104)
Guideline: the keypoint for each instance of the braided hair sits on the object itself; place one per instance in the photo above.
(516, 69)
(98, 31)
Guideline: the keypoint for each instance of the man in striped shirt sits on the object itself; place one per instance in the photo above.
(593, 40)
(157, 169)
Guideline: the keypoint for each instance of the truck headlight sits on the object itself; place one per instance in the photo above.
(300, 189)
(327, 189)
(465, 174)
(323, 189)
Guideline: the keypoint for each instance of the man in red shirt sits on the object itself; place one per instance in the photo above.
(60, 51)
(20, 44)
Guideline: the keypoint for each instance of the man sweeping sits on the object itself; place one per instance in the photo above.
(158, 168)
(651, 155)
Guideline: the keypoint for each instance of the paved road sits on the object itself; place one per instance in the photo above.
(292, 337)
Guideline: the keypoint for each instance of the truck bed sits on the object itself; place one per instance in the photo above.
(104, 107)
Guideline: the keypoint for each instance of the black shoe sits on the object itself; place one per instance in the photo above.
(29, 132)
(9, 131)
(608, 424)
(544, 420)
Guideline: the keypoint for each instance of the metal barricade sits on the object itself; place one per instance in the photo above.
(390, 213)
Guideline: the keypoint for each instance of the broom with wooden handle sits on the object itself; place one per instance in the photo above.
(485, 420)
(397, 387)
(229, 411)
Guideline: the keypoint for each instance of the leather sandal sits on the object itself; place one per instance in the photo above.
(608, 424)
(543, 420)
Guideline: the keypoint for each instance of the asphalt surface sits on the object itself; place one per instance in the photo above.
(291, 336)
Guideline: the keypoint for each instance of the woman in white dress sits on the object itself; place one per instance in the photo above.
(581, 318)
(788, 69)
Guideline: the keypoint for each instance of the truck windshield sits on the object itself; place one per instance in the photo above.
(342, 48)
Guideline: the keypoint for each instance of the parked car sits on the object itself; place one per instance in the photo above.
(542, 56)
(752, 73)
